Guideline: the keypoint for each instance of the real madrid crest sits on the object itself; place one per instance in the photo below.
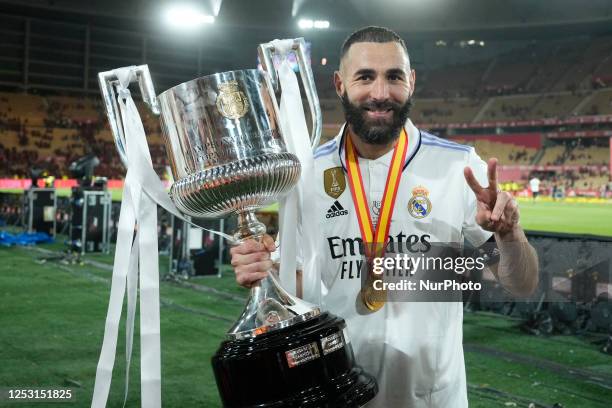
(419, 205)
(334, 182)
(231, 101)
(376, 207)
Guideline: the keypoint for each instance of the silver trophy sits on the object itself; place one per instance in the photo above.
(227, 155)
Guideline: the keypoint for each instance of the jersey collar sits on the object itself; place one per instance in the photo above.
(414, 142)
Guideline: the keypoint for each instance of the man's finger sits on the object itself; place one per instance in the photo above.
(247, 247)
(503, 198)
(483, 217)
(239, 259)
(512, 212)
(256, 267)
(248, 279)
(471, 180)
(269, 243)
(492, 173)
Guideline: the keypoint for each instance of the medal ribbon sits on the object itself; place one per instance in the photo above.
(376, 238)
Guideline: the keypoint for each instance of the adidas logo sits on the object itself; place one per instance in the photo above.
(336, 210)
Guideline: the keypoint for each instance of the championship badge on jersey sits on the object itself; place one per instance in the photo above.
(419, 205)
(334, 182)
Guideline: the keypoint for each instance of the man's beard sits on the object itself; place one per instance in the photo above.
(373, 131)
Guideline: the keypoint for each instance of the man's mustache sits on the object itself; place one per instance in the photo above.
(380, 105)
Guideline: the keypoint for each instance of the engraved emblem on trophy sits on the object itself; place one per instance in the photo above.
(231, 102)
(228, 156)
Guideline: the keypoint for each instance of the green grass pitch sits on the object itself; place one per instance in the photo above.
(52, 323)
(575, 218)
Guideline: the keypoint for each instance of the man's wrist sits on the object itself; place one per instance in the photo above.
(516, 234)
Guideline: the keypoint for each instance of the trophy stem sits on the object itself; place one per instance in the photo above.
(249, 227)
(269, 306)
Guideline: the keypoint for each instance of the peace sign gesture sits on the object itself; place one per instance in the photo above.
(497, 211)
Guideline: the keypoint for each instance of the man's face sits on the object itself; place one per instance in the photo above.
(375, 84)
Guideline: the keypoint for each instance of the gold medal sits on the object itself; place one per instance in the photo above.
(372, 298)
(375, 241)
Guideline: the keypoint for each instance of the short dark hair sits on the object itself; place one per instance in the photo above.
(372, 34)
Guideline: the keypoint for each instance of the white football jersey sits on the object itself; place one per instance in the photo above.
(534, 184)
(414, 349)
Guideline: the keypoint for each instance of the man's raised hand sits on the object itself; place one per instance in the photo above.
(497, 211)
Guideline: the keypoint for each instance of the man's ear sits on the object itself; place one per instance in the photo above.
(338, 84)
(412, 80)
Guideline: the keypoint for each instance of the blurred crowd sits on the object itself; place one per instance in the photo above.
(57, 138)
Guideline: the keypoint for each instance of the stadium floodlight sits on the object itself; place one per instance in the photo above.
(295, 8)
(185, 16)
(305, 23)
(471, 42)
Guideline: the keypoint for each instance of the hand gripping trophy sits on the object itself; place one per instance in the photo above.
(228, 156)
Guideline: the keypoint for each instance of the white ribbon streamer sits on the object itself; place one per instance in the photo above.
(132, 288)
(146, 210)
(141, 192)
(296, 204)
(125, 234)
(144, 253)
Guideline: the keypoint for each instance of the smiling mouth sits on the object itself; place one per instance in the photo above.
(379, 113)
(378, 110)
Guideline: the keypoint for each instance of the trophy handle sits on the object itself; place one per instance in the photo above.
(108, 82)
(265, 51)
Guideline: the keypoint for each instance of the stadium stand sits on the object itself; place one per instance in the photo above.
(553, 155)
(599, 103)
(510, 107)
(556, 105)
(22, 108)
(512, 72)
(53, 131)
(553, 64)
(452, 81)
(72, 126)
(579, 75)
(538, 81)
(504, 151)
(456, 110)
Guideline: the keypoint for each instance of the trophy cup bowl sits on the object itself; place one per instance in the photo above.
(228, 156)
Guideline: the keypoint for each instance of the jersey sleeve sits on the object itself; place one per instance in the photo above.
(471, 230)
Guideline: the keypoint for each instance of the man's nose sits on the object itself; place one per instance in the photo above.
(380, 90)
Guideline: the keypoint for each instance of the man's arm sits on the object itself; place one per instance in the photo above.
(497, 211)
(517, 269)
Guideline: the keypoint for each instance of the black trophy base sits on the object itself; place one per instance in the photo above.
(309, 364)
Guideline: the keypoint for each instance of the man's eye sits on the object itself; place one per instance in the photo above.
(364, 78)
(395, 78)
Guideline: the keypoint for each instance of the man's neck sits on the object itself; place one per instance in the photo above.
(370, 151)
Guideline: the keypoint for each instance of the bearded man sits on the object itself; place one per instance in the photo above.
(383, 177)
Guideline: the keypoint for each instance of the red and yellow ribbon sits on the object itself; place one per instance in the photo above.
(375, 240)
